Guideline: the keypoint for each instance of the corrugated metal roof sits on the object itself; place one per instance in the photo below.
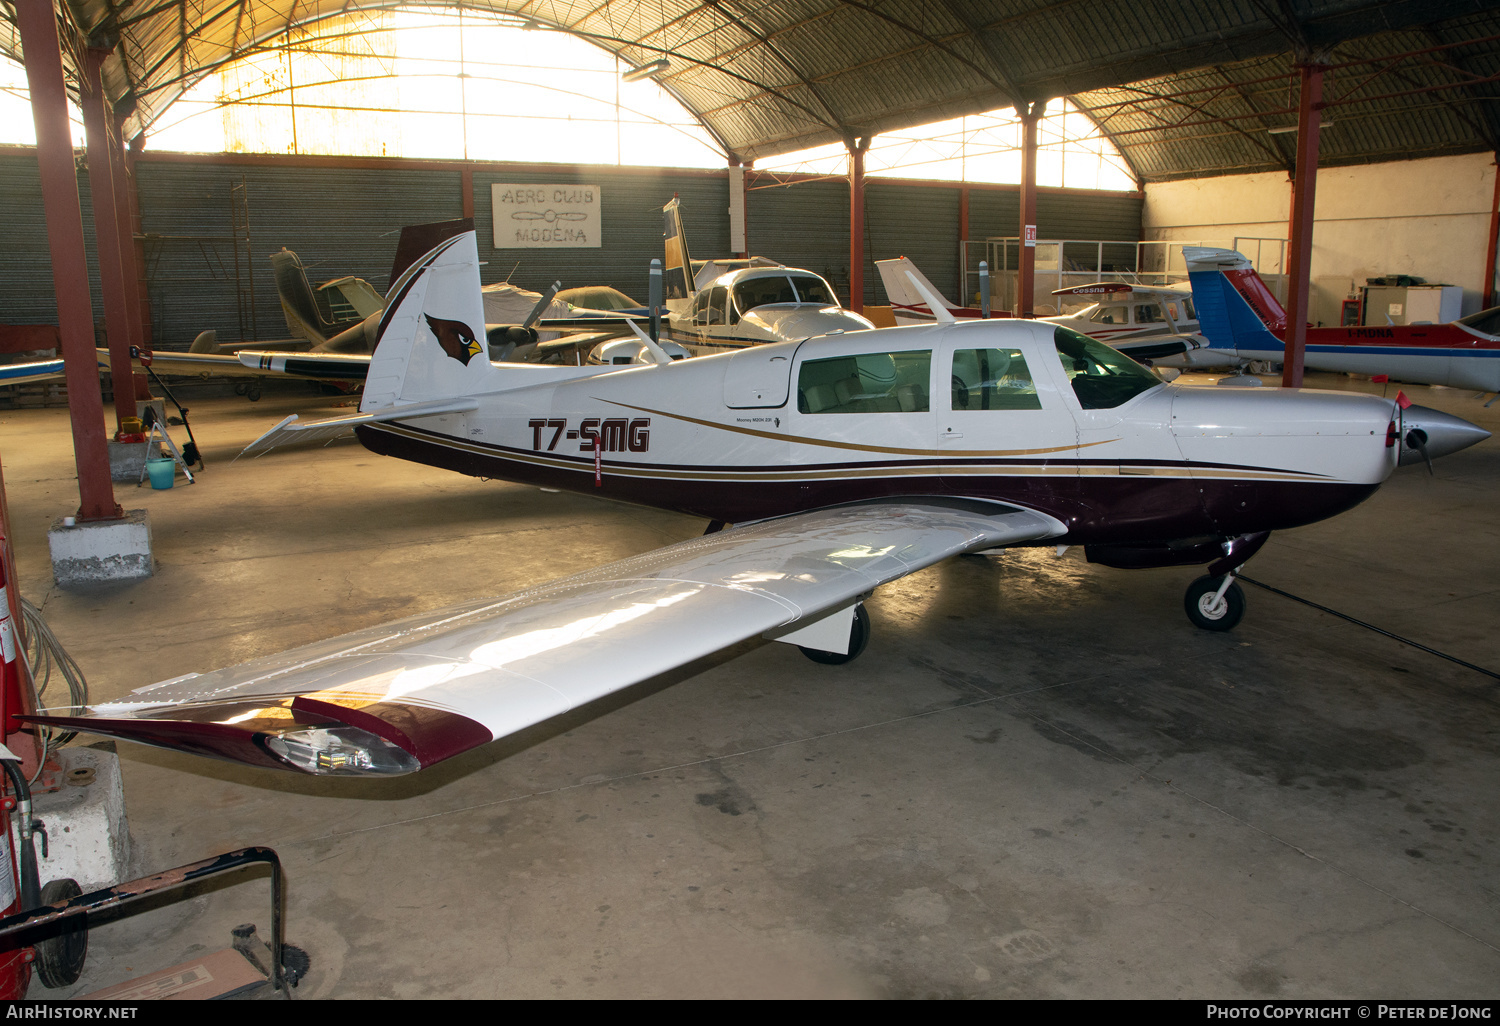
(771, 76)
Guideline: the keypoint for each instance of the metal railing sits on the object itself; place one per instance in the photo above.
(1066, 263)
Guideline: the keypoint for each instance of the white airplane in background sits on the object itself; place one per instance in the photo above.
(751, 304)
(847, 461)
(1152, 324)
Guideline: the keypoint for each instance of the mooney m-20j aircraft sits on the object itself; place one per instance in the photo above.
(1244, 321)
(845, 462)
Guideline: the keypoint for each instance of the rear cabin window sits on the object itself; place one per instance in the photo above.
(868, 383)
(1148, 313)
(992, 379)
(1102, 378)
(1111, 315)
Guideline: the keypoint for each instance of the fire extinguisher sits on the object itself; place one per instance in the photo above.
(15, 961)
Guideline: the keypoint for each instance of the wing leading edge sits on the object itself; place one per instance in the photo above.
(403, 696)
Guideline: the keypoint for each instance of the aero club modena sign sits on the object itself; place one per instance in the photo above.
(546, 216)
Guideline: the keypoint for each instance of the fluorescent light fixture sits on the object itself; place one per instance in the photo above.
(1287, 130)
(656, 67)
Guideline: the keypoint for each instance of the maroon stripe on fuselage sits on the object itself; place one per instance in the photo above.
(1097, 508)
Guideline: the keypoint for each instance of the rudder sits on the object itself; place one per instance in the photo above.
(431, 339)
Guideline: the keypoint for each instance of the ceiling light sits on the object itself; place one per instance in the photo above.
(1287, 129)
(656, 67)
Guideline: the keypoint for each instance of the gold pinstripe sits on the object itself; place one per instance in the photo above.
(851, 473)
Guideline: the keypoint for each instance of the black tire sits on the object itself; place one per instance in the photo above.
(59, 958)
(1196, 602)
(859, 637)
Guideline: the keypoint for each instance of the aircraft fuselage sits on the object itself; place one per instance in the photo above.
(924, 411)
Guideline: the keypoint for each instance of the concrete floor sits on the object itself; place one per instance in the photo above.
(1039, 780)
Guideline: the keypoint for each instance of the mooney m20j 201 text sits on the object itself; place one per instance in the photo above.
(845, 461)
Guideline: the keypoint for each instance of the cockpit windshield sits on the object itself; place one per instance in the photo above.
(1102, 378)
(795, 288)
(1487, 321)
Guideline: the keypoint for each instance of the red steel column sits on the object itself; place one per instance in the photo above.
(1026, 265)
(75, 310)
(1489, 258)
(101, 144)
(129, 209)
(1304, 189)
(857, 224)
(130, 266)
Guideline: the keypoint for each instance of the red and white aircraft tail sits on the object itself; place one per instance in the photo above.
(908, 303)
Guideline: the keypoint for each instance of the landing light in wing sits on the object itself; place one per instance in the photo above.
(338, 751)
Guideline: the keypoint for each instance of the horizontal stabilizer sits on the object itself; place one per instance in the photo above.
(292, 431)
(400, 697)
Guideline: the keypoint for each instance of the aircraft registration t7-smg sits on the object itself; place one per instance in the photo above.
(845, 462)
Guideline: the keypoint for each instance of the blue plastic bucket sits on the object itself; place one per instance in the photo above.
(161, 472)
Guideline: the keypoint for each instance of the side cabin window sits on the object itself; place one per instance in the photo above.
(867, 383)
(760, 291)
(992, 379)
(1148, 313)
(700, 307)
(1111, 315)
(717, 297)
(1102, 378)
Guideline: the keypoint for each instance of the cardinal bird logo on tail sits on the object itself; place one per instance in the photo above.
(432, 341)
(456, 338)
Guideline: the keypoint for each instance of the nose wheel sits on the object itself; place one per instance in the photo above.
(1214, 603)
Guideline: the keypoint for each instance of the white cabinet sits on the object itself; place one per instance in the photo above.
(1413, 304)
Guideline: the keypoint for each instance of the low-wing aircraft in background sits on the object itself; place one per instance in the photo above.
(1152, 324)
(847, 461)
(1245, 322)
(747, 303)
(336, 325)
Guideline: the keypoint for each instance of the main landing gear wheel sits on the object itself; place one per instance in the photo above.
(1205, 612)
(859, 637)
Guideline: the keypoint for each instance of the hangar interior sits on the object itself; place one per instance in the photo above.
(1039, 781)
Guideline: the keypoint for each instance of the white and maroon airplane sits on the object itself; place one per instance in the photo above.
(846, 461)
(1152, 324)
(1244, 321)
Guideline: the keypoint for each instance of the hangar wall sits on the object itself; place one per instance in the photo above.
(342, 216)
(1426, 217)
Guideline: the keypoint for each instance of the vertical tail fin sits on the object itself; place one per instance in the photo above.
(299, 303)
(431, 339)
(677, 269)
(904, 285)
(1235, 308)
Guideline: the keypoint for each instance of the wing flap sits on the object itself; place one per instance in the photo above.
(440, 683)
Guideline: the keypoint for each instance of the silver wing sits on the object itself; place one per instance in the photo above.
(401, 697)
